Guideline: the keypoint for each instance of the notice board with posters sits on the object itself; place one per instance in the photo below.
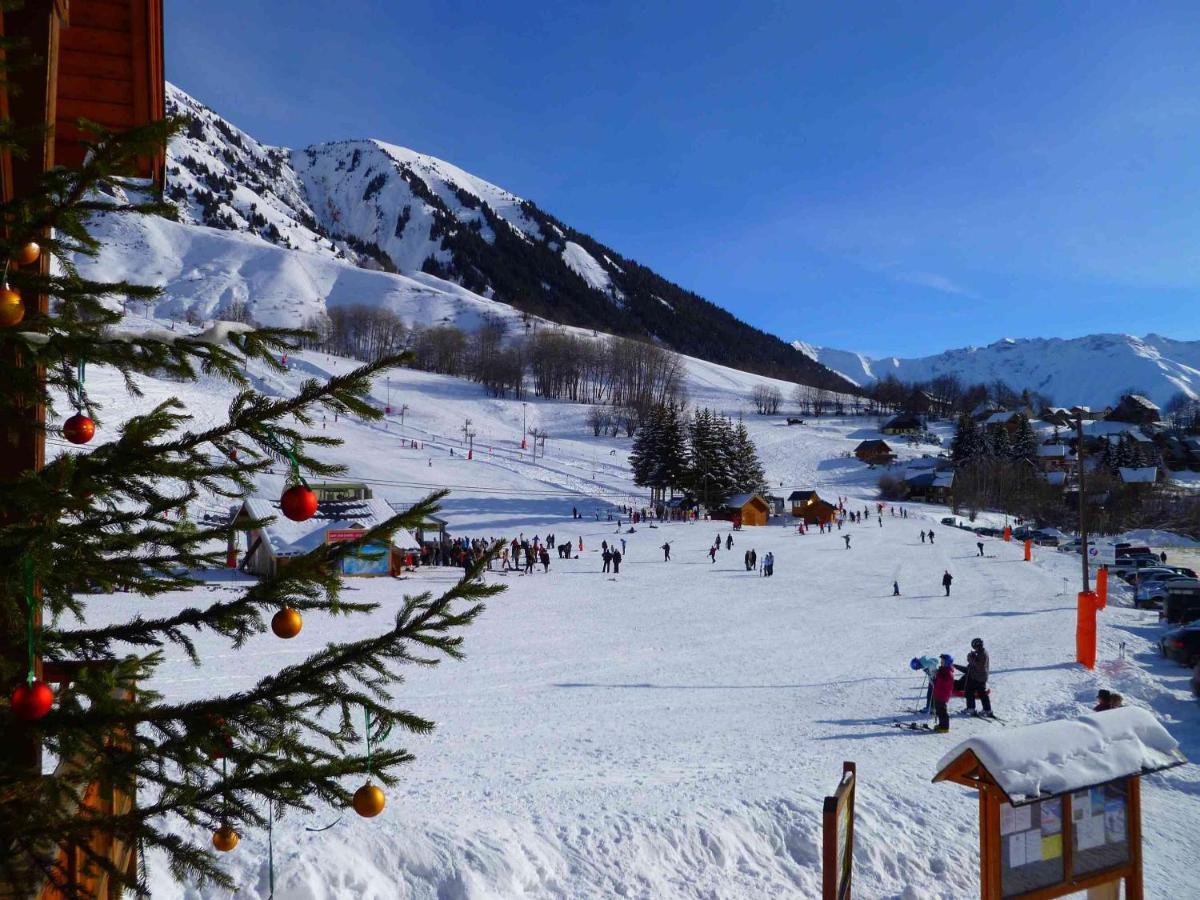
(370, 559)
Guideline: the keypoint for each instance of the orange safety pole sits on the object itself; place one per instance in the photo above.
(1028, 550)
(1102, 587)
(1085, 629)
(1007, 534)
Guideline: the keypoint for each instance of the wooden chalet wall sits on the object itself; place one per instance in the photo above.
(110, 70)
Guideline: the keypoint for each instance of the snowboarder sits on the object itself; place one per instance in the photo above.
(666, 549)
(729, 541)
(947, 578)
(895, 589)
(607, 557)
(943, 690)
(846, 538)
(976, 669)
(979, 544)
(616, 561)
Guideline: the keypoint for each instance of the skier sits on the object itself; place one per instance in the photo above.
(769, 564)
(545, 555)
(607, 557)
(946, 579)
(616, 561)
(976, 670)
(979, 544)
(753, 560)
(943, 690)
(931, 535)
(749, 566)
(846, 538)
(666, 549)
(895, 589)
(622, 545)
(729, 541)
(712, 553)
(922, 535)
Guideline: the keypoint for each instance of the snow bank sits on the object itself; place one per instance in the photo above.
(1153, 537)
(1071, 754)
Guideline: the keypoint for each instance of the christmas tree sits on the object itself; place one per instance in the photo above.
(89, 537)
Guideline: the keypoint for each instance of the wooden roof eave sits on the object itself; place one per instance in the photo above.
(967, 770)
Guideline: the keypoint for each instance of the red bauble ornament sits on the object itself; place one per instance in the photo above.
(298, 503)
(286, 623)
(79, 429)
(32, 701)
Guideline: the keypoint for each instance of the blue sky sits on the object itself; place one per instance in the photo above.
(893, 178)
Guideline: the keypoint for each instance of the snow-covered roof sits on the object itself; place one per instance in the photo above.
(739, 500)
(1053, 451)
(288, 538)
(1035, 761)
(1057, 479)
(1140, 475)
(943, 479)
(999, 418)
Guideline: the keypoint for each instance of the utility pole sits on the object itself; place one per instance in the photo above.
(1083, 534)
(524, 406)
(388, 408)
(403, 410)
(469, 437)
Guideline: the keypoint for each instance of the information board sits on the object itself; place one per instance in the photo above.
(1099, 828)
(1031, 846)
(370, 559)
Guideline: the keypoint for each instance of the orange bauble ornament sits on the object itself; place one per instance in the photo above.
(32, 700)
(12, 307)
(79, 429)
(286, 623)
(29, 253)
(369, 801)
(298, 503)
(225, 839)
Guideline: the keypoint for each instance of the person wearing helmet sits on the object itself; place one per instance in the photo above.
(943, 690)
(977, 669)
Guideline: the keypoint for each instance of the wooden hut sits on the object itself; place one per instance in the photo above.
(745, 509)
(810, 508)
(273, 545)
(875, 452)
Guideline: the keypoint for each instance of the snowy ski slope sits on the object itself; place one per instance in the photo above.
(671, 733)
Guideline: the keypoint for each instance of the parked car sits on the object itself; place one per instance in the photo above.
(1182, 644)
(950, 521)
(1128, 567)
(1182, 604)
(1153, 591)
(1182, 570)
(1072, 546)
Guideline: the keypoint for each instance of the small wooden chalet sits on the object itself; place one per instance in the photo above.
(744, 509)
(1136, 409)
(933, 487)
(875, 452)
(1054, 457)
(1143, 476)
(811, 509)
(905, 423)
(282, 540)
(1005, 419)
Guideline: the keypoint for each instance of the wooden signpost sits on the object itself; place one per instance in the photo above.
(837, 838)
(1084, 837)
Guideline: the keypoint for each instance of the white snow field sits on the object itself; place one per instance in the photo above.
(671, 732)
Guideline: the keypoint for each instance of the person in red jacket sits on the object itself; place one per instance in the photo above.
(943, 690)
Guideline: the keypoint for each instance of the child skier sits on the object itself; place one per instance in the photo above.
(943, 690)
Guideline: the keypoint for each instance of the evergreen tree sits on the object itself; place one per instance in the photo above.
(673, 455)
(645, 457)
(1025, 440)
(998, 444)
(748, 473)
(967, 443)
(86, 540)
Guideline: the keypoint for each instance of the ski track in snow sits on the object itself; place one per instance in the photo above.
(671, 733)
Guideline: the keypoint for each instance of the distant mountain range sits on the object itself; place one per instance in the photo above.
(1092, 370)
(444, 231)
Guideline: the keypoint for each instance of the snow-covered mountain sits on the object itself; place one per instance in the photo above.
(374, 205)
(1092, 370)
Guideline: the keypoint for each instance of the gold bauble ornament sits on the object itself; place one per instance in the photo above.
(286, 623)
(225, 838)
(12, 307)
(369, 801)
(29, 253)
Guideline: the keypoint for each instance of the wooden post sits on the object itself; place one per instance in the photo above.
(1133, 817)
(31, 107)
